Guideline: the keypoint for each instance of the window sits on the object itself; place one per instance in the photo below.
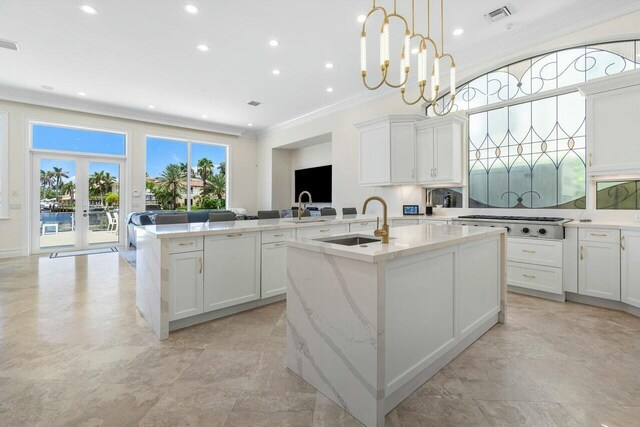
(529, 155)
(618, 195)
(185, 175)
(77, 140)
(4, 165)
(542, 73)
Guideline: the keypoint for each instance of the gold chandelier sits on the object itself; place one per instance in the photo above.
(424, 43)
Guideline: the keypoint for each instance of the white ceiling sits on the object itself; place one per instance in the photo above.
(134, 53)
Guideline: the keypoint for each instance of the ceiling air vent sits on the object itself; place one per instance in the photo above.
(254, 103)
(498, 14)
(7, 44)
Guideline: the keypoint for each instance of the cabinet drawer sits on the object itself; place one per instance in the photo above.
(185, 244)
(404, 222)
(539, 252)
(540, 278)
(363, 226)
(277, 236)
(599, 235)
(323, 230)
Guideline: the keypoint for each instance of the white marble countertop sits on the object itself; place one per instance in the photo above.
(403, 241)
(621, 225)
(209, 228)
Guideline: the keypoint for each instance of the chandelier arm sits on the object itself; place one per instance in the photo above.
(448, 110)
(420, 97)
(383, 81)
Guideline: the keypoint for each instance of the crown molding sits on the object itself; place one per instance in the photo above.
(52, 100)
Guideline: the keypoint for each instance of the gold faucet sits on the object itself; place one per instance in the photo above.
(300, 203)
(384, 231)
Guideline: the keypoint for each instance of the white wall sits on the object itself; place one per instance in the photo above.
(344, 153)
(281, 178)
(14, 231)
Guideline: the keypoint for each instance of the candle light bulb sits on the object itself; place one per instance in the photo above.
(363, 53)
(453, 80)
(436, 70)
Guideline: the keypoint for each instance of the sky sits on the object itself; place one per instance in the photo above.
(160, 152)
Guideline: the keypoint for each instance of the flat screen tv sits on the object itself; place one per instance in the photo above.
(316, 181)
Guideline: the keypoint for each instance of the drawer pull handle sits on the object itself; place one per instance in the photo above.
(324, 230)
(529, 251)
(200, 259)
(279, 244)
(364, 223)
(598, 234)
(234, 235)
(581, 253)
(186, 244)
(530, 276)
(278, 235)
(622, 243)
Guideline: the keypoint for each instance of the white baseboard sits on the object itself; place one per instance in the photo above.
(11, 253)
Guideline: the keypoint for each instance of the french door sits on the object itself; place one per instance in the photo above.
(76, 203)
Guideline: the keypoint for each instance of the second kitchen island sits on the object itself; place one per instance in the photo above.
(368, 323)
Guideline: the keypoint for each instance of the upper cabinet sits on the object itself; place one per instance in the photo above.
(387, 150)
(613, 128)
(439, 150)
(396, 150)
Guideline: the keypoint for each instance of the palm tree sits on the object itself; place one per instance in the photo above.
(205, 169)
(58, 174)
(222, 168)
(101, 183)
(46, 178)
(217, 186)
(68, 188)
(172, 180)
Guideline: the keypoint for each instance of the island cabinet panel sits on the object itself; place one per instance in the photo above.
(630, 253)
(420, 314)
(185, 284)
(479, 273)
(274, 269)
(232, 269)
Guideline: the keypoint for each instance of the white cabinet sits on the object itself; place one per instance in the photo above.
(535, 264)
(599, 263)
(630, 271)
(404, 222)
(439, 150)
(612, 123)
(322, 230)
(387, 150)
(274, 269)
(185, 284)
(232, 269)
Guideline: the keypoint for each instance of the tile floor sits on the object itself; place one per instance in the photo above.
(74, 352)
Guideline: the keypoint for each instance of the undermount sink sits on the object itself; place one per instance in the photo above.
(349, 240)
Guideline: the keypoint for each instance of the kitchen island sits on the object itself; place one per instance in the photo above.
(367, 324)
(193, 273)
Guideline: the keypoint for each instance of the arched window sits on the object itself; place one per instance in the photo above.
(527, 150)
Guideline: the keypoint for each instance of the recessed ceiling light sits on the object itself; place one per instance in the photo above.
(204, 116)
(82, 94)
(361, 18)
(276, 72)
(88, 9)
(249, 124)
(47, 87)
(415, 50)
(458, 31)
(203, 48)
(273, 43)
(328, 65)
(191, 9)
(329, 89)
(151, 107)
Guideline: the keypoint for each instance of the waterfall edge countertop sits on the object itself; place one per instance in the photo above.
(246, 226)
(402, 242)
